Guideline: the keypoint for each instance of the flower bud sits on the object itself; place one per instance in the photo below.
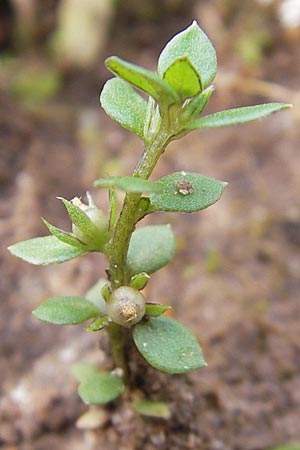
(126, 306)
(98, 218)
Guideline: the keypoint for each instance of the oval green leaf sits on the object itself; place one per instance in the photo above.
(66, 310)
(100, 387)
(150, 249)
(143, 79)
(168, 345)
(45, 250)
(237, 116)
(186, 192)
(129, 184)
(191, 43)
(182, 76)
(123, 104)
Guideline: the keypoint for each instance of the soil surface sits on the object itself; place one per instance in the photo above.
(235, 280)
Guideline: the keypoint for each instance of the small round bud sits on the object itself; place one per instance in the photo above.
(126, 306)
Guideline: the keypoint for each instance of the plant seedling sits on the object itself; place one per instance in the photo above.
(177, 94)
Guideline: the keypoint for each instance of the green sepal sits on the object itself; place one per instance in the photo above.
(155, 309)
(151, 408)
(106, 291)
(65, 237)
(191, 43)
(186, 192)
(237, 116)
(139, 281)
(150, 249)
(123, 104)
(45, 250)
(129, 184)
(98, 324)
(66, 310)
(182, 76)
(168, 345)
(143, 79)
(85, 225)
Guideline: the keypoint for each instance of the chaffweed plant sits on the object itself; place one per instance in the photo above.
(178, 92)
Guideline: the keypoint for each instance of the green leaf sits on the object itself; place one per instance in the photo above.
(81, 220)
(66, 310)
(100, 387)
(94, 295)
(167, 345)
(237, 116)
(63, 236)
(151, 408)
(120, 101)
(98, 324)
(182, 76)
(129, 184)
(143, 79)
(150, 249)
(186, 192)
(155, 309)
(45, 250)
(191, 43)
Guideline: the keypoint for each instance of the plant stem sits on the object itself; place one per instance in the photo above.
(127, 220)
(125, 226)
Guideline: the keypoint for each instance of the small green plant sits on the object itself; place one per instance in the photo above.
(177, 94)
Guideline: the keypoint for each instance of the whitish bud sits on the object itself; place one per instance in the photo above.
(98, 218)
(126, 306)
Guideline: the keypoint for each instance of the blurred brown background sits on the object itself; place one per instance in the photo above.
(236, 277)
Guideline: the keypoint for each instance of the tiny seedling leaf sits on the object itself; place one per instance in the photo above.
(191, 43)
(186, 192)
(63, 236)
(143, 79)
(155, 309)
(195, 106)
(123, 104)
(150, 249)
(182, 76)
(45, 250)
(100, 387)
(168, 345)
(151, 408)
(129, 184)
(237, 116)
(66, 310)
